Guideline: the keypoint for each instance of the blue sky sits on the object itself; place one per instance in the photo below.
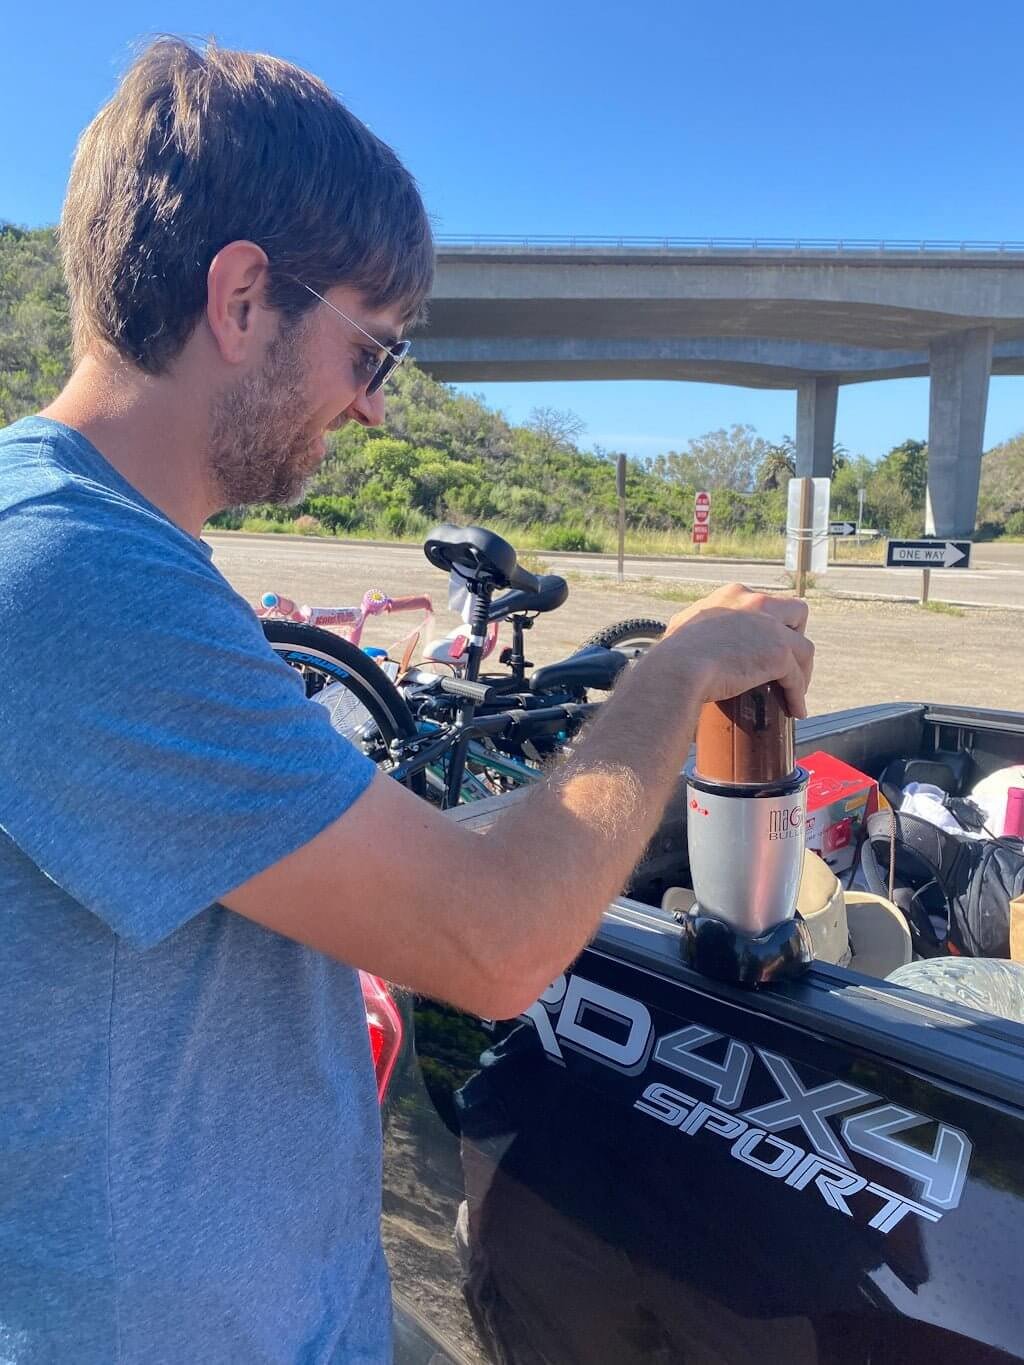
(894, 120)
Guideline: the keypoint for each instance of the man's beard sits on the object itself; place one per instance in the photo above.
(261, 446)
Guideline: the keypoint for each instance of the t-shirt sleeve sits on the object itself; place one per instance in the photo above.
(155, 753)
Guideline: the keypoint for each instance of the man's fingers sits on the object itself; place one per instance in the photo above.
(796, 680)
(804, 651)
(793, 685)
(791, 611)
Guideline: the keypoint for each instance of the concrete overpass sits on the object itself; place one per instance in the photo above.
(805, 316)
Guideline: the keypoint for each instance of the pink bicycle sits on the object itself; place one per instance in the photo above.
(350, 621)
(451, 649)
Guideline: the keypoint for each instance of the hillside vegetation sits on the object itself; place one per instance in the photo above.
(447, 455)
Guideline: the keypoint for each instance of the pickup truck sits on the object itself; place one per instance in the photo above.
(653, 1166)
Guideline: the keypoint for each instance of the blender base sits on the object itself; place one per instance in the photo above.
(714, 948)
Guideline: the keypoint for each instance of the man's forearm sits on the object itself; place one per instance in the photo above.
(573, 841)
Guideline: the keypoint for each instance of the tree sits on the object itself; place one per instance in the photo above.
(847, 481)
(896, 489)
(35, 357)
(561, 428)
(778, 466)
(1001, 496)
(907, 463)
(718, 459)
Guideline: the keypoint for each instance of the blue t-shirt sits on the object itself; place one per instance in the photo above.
(189, 1132)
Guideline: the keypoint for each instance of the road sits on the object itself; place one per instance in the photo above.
(867, 651)
(995, 580)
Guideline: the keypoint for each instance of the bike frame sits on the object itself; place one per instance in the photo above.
(348, 622)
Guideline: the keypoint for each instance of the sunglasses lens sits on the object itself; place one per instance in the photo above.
(386, 366)
(389, 363)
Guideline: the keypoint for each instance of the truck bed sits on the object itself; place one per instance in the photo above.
(650, 1166)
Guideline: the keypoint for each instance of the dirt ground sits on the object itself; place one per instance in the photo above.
(866, 651)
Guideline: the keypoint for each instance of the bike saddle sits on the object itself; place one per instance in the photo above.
(552, 593)
(472, 551)
(422, 679)
(593, 667)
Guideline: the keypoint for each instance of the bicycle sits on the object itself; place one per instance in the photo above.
(458, 737)
(351, 620)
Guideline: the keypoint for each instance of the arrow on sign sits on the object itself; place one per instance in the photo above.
(951, 555)
(842, 528)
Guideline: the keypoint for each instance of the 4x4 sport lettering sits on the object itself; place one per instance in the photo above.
(574, 1012)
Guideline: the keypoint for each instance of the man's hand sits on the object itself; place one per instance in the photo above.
(735, 639)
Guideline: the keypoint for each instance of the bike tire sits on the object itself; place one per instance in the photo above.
(633, 637)
(361, 683)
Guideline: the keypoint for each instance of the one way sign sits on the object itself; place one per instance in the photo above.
(928, 554)
(842, 528)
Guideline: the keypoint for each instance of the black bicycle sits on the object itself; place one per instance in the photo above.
(466, 736)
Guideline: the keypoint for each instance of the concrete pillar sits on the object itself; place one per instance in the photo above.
(815, 427)
(960, 366)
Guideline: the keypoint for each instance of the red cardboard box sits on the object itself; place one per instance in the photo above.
(839, 800)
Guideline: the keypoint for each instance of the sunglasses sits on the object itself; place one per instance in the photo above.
(377, 366)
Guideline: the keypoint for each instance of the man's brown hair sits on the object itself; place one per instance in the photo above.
(201, 148)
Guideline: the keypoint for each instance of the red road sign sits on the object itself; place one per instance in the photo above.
(702, 509)
(700, 532)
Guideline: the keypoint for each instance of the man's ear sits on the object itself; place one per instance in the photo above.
(235, 289)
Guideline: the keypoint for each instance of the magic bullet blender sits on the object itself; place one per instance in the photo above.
(746, 811)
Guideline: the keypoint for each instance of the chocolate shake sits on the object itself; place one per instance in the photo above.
(746, 740)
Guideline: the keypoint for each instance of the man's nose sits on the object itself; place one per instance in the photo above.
(368, 408)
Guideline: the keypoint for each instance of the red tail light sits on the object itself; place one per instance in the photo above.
(385, 1025)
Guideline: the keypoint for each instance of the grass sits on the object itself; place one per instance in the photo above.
(686, 595)
(769, 547)
(601, 539)
(810, 581)
(302, 526)
(533, 563)
(943, 608)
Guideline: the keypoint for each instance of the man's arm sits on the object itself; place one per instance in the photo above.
(487, 921)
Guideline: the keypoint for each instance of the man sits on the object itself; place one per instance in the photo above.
(191, 859)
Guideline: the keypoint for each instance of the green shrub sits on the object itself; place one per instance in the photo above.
(563, 536)
(272, 511)
(395, 520)
(229, 520)
(334, 511)
(265, 525)
(1015, 524)
(990, 530)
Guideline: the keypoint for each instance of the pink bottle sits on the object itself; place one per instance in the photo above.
(1013, 822)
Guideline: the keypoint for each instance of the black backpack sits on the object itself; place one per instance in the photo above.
(964, 884)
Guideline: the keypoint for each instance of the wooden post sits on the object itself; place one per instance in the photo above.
(620, 485)
(803, 544)
(926, 582)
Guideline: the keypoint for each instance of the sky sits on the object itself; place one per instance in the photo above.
(889, 119)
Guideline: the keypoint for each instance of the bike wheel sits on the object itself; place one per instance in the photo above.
(633, 637)
(364, 704)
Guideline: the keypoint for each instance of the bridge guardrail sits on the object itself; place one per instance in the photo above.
(837, 245)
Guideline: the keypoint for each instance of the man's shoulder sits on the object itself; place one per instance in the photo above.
(65, 519)
(28, 468)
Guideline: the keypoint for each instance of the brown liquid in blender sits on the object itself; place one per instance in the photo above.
(748, 739)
